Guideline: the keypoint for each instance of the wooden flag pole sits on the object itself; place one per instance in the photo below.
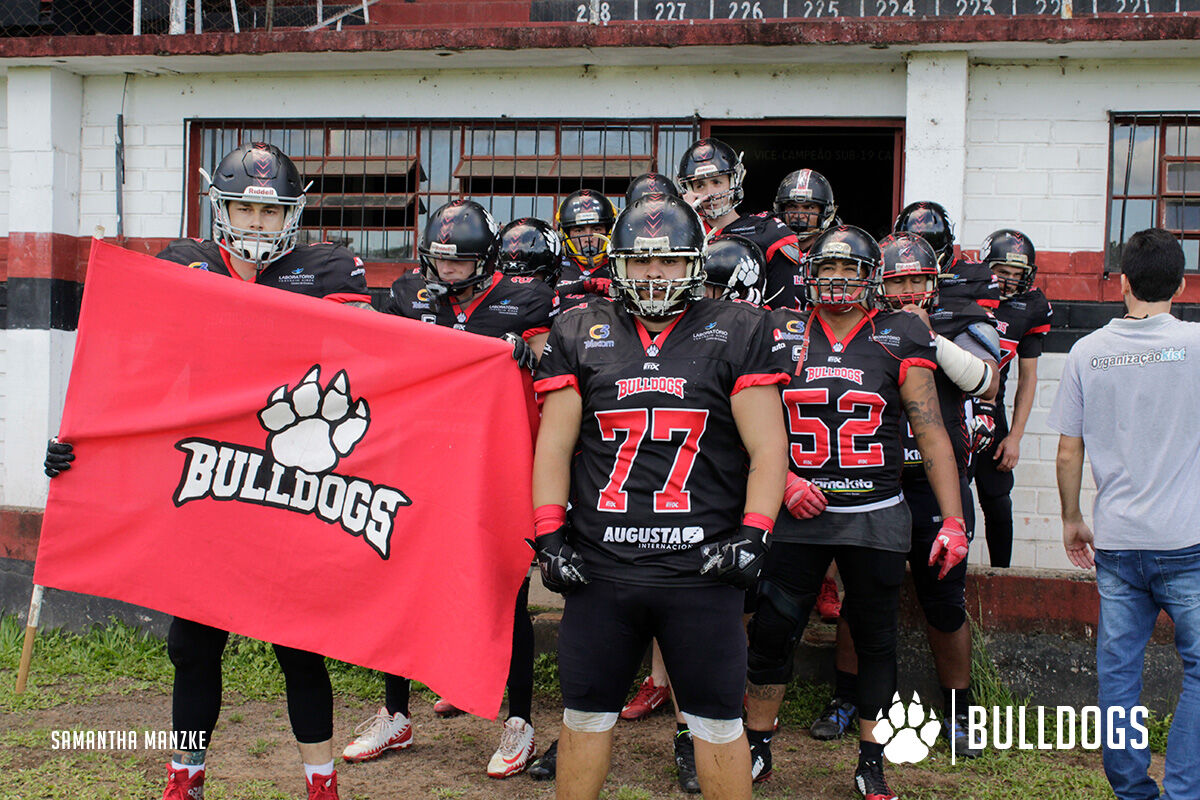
(31, 626)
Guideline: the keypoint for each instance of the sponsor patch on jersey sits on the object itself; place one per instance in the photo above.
(885, 336)
(199, 265)
(599, 331)
(651, 365)
(664, 384)
(844, 373)
(793, 329)
(506, 307)
(658, 538)
(298, 277)
(778, 346)
(711, 333)
(844, 484)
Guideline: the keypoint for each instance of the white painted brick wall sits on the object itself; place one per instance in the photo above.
(1037, 533)
(1040, 131)
(4, 177)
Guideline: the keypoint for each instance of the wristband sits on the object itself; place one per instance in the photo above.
(548, 518)
(758, 521)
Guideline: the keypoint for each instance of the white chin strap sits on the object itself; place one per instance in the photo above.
(254, 250)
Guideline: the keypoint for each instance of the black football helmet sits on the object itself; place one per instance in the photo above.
(736, 266)
(930, 221)
(649, 183)
(657, 225)
(805, 186)
(256, 173)
(530, 247)
(1010, 248)
(461, 230)
(585, 207)
(704, 159)
(843, 243)
(903, 254)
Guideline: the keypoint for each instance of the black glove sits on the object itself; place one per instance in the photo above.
(522, 353)
(736, 561)
(59, 456)
(562, 568)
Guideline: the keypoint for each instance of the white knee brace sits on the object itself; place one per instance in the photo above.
(713, 731)
(590, 721)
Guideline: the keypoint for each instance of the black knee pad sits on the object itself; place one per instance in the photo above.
(774, 630)
(944, 616)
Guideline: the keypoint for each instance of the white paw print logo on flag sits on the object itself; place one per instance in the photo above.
(312, 428)
(907, 732)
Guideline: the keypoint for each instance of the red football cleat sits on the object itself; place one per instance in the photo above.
(829, 607)
(648, 699)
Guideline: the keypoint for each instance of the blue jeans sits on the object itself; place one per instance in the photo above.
(1134, 585)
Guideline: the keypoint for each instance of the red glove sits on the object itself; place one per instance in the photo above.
(950, 546)
(600, 286)
(802, 498)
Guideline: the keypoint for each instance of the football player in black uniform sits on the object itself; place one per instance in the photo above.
(662, 425)
(967, 352)
(961, 280)
(530, 248)
(804, 202)
(584, 219)
(1024, 320)
(710, 176)
(257, 196)
(852, 367)
(648, 183)
(458, 286)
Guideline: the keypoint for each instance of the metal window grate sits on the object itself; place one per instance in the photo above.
(1154, 180)
(374, 182)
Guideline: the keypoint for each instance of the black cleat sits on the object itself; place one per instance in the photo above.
(760, 759)
(837, 718)
(544, 768)
(870, 783)
(685, 760)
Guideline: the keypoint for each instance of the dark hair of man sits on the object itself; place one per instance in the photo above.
(1152, 262)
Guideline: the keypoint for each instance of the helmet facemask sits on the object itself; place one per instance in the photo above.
(592, 255)
(663, 297)
(1012, 286)
(840, 294)
(717, 204)
(926, 298)
(480, 277)
(256, 246)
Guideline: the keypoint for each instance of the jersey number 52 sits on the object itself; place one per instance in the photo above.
(850, 453)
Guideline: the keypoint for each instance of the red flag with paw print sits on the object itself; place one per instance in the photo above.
(295, 470)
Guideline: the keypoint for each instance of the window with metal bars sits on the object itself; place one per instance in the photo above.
(374, 182)
(1154, 180)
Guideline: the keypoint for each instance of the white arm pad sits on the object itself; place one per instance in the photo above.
(966, 371)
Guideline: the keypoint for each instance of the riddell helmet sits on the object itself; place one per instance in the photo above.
(1010, 248)
(704, 159)
(805, 186)
(461, 230)
(530, 248)
(657, 225)
(649, 183)
(584, 207)
(735, 265)
(903, 254)
(931, 222)
(256, 173)
(843, 243)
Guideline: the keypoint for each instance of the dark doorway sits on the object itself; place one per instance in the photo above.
(863, 163)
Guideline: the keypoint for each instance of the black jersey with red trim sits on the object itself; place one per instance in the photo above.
(659, 468)
(511, 304)
(317, 270)
(952, 400)
(572, 273)
(1023, 321)
(780, 248)
(843, 405)
(966, 281)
